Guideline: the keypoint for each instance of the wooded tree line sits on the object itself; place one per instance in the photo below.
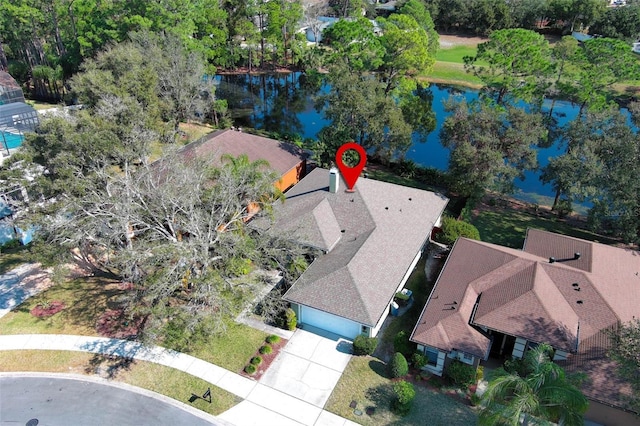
(45, 42)
(176, 228)
(484, 16)
(493, 140)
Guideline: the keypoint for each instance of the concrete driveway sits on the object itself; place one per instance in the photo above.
(309, 366)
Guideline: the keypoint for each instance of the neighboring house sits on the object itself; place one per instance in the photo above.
(371, 240)
(10, 90)
(495, 301)
(287, 160)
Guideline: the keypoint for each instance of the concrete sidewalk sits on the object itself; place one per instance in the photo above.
(260, 403)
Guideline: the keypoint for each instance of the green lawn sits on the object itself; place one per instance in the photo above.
(87, 298)
(507, 227)
(456, 54)
(365, 381)
(11, 258)
(164, 380)
(453, 74)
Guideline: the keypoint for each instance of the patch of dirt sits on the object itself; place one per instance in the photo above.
(50, 309)
(267, 360)
(115, 324)
(452, 40)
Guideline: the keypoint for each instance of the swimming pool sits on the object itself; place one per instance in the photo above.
(12, 140)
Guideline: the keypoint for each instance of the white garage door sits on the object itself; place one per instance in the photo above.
(334, 324)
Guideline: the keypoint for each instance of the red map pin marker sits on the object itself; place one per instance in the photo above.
(351, 174)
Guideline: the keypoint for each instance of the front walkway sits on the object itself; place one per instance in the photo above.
(263, 404)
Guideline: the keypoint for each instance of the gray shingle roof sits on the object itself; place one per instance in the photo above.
(382, 227)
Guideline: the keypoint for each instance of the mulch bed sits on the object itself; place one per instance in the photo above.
(115, 324)
(51, 309)
(267, 359)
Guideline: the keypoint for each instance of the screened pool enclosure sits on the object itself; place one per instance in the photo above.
(15, 119)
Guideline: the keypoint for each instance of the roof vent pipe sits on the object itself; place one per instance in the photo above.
(576, 256)
(552, 259)
(334, 180)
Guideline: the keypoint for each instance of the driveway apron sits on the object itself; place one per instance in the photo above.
(309, 366)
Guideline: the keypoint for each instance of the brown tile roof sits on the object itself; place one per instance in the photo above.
(382, 227)
(281, 156)
(10, 90)
(567, 303)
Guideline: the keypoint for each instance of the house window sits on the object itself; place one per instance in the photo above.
(432, 357)
(364, 330)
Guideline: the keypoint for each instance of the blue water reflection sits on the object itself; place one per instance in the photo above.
(285, 103)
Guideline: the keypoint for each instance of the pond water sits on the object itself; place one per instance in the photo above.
(285, 103)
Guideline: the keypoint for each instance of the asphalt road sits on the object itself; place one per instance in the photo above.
(48, 401)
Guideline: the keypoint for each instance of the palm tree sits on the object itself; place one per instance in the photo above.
(542, 394)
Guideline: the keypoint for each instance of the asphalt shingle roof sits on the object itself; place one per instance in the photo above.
(570, 303)
(382, 227)
(281, 156)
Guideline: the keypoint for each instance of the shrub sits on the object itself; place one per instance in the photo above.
(11, 244)
(291, 320)
(402, 344)
(363, 345)
(404, 393)
(479, 373)
(398, 366)
(474, 399)
(265, 350)
(516, 366)
(461, 374)
(250, 369)
(453, 228)
(272, 339)
(256, 360)
(419, 360)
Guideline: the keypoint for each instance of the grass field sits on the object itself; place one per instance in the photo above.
(164, 380)
(12, 258)
(365, 380)
(456, 53)
(507, 226)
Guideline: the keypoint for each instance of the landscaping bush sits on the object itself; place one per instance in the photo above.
(402, 344)
(250, 369)
(256, 360)
(461, 374)
(265, 350)
(398, 366)
(479, 373)
(453, 228)
(515, 366)
(363, 345)
(291, 320)
(419, 360)
(272, 339)
(404, 393)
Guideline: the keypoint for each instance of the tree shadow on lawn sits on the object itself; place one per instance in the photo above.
(92, 296)
(379, 367)
(108, 366)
